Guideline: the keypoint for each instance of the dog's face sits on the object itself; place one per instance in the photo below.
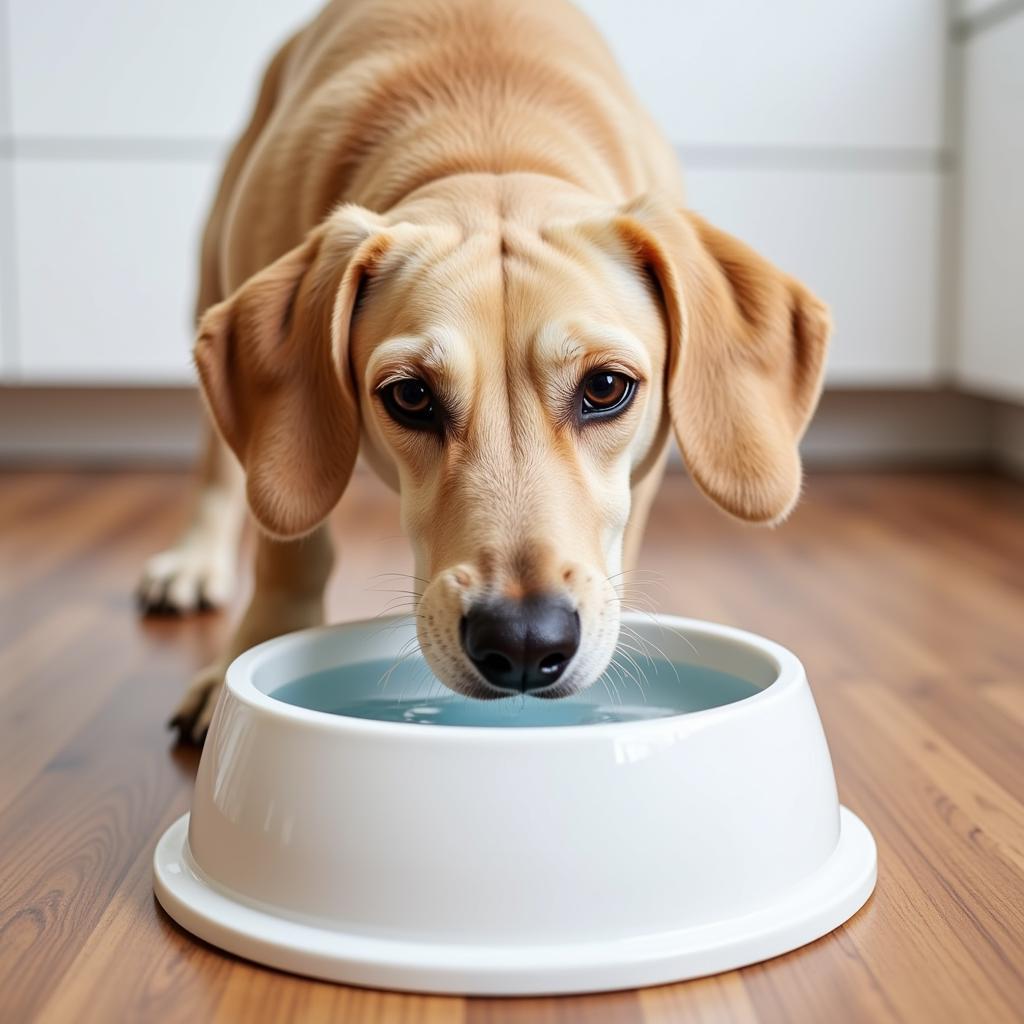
(512, 375)
(511, 386)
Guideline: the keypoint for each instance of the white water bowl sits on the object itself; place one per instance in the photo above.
(515, 860)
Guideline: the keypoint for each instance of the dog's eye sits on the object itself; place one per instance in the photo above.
(606, 392)
(411, 403)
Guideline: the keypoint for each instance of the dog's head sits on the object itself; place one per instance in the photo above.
(514, 364)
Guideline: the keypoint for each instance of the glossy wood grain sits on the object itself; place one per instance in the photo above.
(904, 596)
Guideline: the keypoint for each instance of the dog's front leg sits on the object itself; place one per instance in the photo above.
(290, 579)
(198, 571)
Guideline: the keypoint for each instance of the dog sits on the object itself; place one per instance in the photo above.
(452, 239)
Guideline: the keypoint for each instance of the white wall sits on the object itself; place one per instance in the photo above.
(118, 113)
(812, 128)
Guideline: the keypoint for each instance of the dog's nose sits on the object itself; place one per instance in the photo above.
(521, 645)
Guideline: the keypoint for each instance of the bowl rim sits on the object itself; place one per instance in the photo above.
(789, 670)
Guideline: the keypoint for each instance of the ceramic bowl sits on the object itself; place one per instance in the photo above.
(512, 860)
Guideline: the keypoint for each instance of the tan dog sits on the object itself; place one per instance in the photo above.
(452, 239)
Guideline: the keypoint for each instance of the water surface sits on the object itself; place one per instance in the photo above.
(381, 691)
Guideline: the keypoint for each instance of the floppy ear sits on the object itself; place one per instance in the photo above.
(745, 363)
(273, 364)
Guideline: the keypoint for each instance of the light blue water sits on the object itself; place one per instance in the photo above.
(409, 693)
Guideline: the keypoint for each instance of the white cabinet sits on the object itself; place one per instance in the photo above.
(865, 242)
(991, 337)
(791, 73)
(106, 256)
(131, 69)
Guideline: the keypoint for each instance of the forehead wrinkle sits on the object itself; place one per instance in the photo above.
(441, 354)
(563, 346)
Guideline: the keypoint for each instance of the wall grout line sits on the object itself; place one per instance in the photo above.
(842, 158)
(864, 159)
(124, 148)
(949, 269)
(966, 28)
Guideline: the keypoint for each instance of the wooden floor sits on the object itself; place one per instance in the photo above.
(904, 595)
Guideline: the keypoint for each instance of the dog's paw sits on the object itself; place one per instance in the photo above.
(194, 713)
(194, 576)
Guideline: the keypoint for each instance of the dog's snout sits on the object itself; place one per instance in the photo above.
(521, 645)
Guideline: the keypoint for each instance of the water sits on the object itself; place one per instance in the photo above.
(408, 693)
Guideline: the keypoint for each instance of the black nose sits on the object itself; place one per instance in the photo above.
(521, 645)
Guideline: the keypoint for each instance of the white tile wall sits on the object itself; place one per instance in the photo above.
(141, 68)
(785, 72)
(106, 256)
(865, 241)
(991, 352)
(813, 128)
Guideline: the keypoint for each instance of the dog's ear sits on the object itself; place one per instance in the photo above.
(274, 368)
(746, 358)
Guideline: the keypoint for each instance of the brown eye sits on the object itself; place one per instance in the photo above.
(411, 396)
(606, 392)
(411, 403)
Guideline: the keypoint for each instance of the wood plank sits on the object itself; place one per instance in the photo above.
(720, 1000)
(609, 1008)
(936, 937)
(46, 705)
(257, 995)
(68, 840)
(162, 973)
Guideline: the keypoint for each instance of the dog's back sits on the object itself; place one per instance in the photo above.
(375, 98)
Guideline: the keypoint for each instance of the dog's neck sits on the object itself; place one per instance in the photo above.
(498, 202)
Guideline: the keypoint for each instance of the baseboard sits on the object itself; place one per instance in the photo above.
(938, 427)
(1008, 438)
(99, 427)
(132, 427)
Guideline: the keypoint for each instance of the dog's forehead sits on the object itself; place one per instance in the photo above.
(512, 302)
(444, 352)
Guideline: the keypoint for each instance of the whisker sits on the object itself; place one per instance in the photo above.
(618, 698)
(402, 622)
(640, 677)
(636, 572)
(399, 575)
(670, 629)
(625, 676)
(394, 603)
(401, 657)
(634, 604)
(613, 667)
(604, 683)
(642, 640)
(621, 588)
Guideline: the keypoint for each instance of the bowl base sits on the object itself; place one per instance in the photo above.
(808, 911)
